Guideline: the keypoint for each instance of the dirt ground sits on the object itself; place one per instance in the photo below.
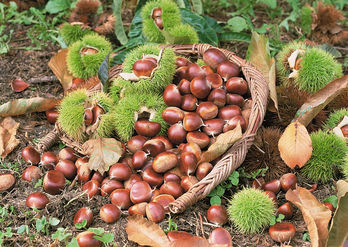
(31, 64)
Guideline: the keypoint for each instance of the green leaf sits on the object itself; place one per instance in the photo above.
(180, 3)
(197, 6)
(119, 29)
(40, 224)
(220, 191)
(280, 217)
(23, 229)
(270, 3)
(56, 6)
(273, 221)
(234, 36)
(60, 234)
(38, 183)
(103, 73)
(235, 181)
(98, 231)
(106, 238)
(215, 200)
(73, 243)
(53, 221)
(333, 200)
(213, 24)
(81, 225)
(237, 24)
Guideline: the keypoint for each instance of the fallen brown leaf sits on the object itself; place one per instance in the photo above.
(262, 60)
(22, 106)
(19, 85)
(339, 224)
(315, 214)
(295, 145)
(60, 69)
(8, 140)
(223, 143)
(193, 241)
(320, 99)
(145, 232)
(103, 153)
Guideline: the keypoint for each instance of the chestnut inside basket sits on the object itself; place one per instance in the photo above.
(232, 159)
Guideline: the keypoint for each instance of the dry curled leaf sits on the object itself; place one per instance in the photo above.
(102, 152)
(339, 224)
(315, 214)
(8, 140)
(19, 85)
(262, 60)
(59, 67)
(145, 232)
(320, 99)
(193, 241)
(223, 143)
(295, 145)
(22, 106)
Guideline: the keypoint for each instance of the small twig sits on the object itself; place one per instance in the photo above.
(76, 197)
(73, 183)
(43, 79)
(201, 224)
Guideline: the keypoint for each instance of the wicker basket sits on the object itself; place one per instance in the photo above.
(233, 158)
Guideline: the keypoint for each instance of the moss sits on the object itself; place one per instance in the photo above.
(306, 19)
(317, 69)
(73, 33)
(335, 118)
(170, 16)
(71, 112)
(328, 157)
(183, 34)
(251, 210)
(87, 65)
(126, 110)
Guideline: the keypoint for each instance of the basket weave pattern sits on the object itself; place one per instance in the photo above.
(232, 159)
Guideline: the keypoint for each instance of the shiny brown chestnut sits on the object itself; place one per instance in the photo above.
(172, 96)
(88, 117)
(181, 73)
(98, 111)
(184, 86)
(166, 142)
(181, 61)
(159, 23)
(214, 80)
(147, 128)
(156, 12)
(288, 181)
(233, 122)
(132, 180)
(229, 111)
(187, 163)
(53, 182)
(172, 115)
(194, 70)
(67, 154)
(207, 70)
(200, 138)
(237, 85)
(168, 176)
(37, 200)
(164, 162)
(273, 186)
(176, 134)
(68, 168)
(83, 214)
(136, 143)
(227, 69)
(329, 206)
(7, 181)
(286, 209)
(52, 115)
(171, 188)
(213, 127)
(220, 236)
(140, 192)
(152, 177)
(217, 214)
(207, 110)
(193, 148)
(120, 172)
(109, 213)
(164, 200)
(282, 232)
(121, 198)
(200, 87)
(91, 188)
(30, 155)
(188, 181)
(138, 159)
(153, 147)
(258, 183)
(192, 121)
(143, 67)
(139, 208)
(213, 57)
(109, 185)
(97, 176)
(31, 173)
(81, 161)
(155, 212)
(235, 99)
(344, 130)
(86, 239)
(272, 196)
(218, 97)
(83, 173)
(203, 169)
(189, 102)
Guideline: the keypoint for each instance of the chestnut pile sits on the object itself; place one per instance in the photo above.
(206, 100)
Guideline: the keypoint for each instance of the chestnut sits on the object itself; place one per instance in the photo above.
(171, 188)
(159, 23)
(153, 147)
(213, 57)
(187, 182)
(67, 154)
(227, 69)
(88, 117)
(139, 208)
(219, 236)
(164, 200)
(152, 59)
(229, 111)
(282, 232)
(181, 61)
(217, 214)
(97, 113)
(109, 213)
(138, 159)
(166, 142)
(86, 239)
(171, 177)
(52, 115)
(140, 192)
(193, 70)
(81, 161)
(189, 102)
(184, 86)
(37, 200)
(237, 85)
(143, 67)
(83, 214)
(121, 198)
(181, 73)
(132, 180)
(155, 212)
(246, 115)
(218, 97)
(344, 130)
(271, 195)
(200, 138)
(120, 172)
(7, 181)
(213, 127)
(174, 235)
(147, 128)
(136, 143)
(193, 148)
(273, 186)
(258, 183)
(172, 96)
(53, 182)
(207, 70)
(234, 99)
(200, 87)
(164, 162)
(248, 104)
(214, 80)
(203, 170)
(97, 176)
(172, 115)
(188, 163)
(91, 188)
(109, 185)
(31, 173)
(192, 121)
(329, 206)
(152, 177)
(155, 193)
(233, 122)
(68, 168)
(207, 110)
(176, 134)
(288, 181)
(83, 173)
(30, 155)
(286, 209)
